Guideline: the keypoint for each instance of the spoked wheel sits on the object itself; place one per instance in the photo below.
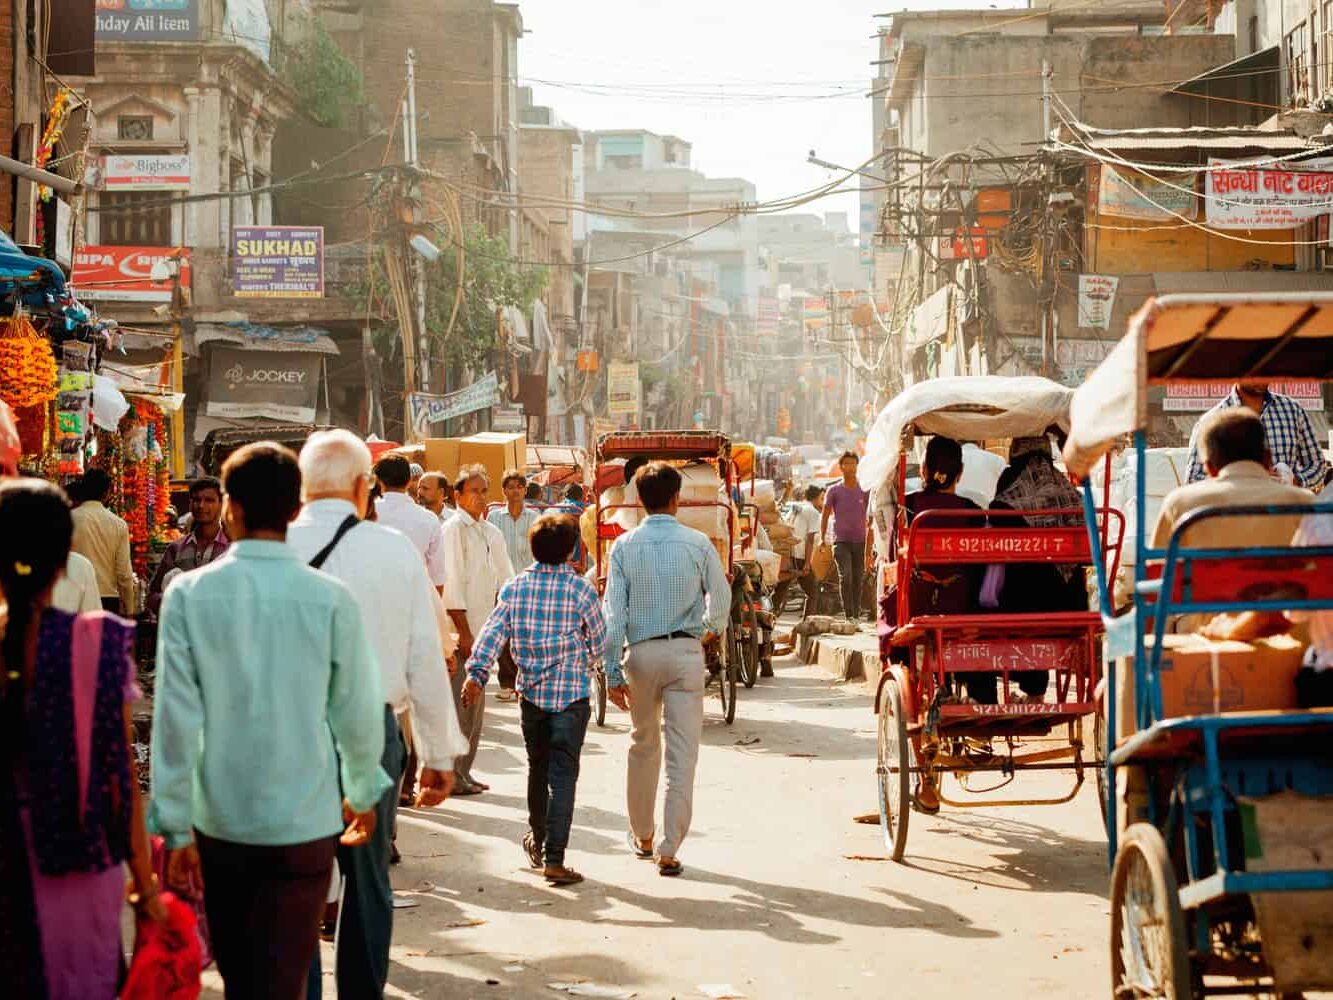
(726, 675)
(892, 769)
(1101, 751)
(599, 694)
(750, 651)
(1149, 950)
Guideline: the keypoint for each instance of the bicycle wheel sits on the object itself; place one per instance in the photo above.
(726, 675)
(1149, 947)
(749, 665)
(892, 771)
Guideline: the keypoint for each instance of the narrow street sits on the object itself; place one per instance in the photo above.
(783, 895)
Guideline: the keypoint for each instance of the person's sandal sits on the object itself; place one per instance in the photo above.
(533, 850)
(635, 845)
(560, 875)
(669, 867)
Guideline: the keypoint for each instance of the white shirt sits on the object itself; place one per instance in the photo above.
(399, 610)
(396, 510)
(805, 523)
(476, 565)
(76, 592)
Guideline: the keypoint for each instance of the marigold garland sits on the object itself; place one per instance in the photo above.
(28, 375)
(146, 485)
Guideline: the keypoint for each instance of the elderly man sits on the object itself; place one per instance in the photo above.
(398, 604)
(476, 566)
(666, 595)
(396, 509)
(1288, 429)
(436, 494)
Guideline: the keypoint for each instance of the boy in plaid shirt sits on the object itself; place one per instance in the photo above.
(552, 620)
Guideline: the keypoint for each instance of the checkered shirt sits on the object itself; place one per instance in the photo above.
(1289, 432)
(551, 618)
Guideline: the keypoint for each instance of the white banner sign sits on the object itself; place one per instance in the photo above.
(1251, 198)
(146, 172)
(428, 409)
(1096, 298)
(622, 387)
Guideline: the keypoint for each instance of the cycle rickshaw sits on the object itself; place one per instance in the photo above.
(926, 728)
(1222, 878)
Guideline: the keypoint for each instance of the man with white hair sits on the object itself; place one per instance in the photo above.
(399, 606)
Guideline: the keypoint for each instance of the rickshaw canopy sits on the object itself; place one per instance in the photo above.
(967, 408)
(663, 445)
(1181, 338)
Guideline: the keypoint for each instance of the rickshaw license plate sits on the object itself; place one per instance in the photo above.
(995, 655)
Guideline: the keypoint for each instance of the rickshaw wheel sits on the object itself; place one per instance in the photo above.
(726, 676)
(894, 788)
(599, 693)
(750, 653)
(1149, 949)
(1101, 750)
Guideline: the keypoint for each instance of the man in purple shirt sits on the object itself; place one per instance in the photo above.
(206, 541)
(847, 504)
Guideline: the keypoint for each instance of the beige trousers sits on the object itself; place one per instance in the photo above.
(666, 684)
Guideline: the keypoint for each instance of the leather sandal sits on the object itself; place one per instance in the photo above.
(669, 867)
(561, 875)
(636, 845)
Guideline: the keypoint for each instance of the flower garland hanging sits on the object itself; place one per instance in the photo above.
(145, 480)
(56, 120)
(28, 374)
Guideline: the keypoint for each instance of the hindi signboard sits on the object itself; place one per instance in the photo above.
(428, 409)
(280, 385)
(1096, 298)
(277, 262)
(1250, 198)
(148, 21)
(622, 388)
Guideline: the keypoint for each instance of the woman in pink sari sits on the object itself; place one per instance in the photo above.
(70, 815)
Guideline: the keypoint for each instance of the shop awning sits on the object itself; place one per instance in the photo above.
(256, 337)
(1246, 67)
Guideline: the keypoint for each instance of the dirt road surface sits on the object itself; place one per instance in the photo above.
(783, 895)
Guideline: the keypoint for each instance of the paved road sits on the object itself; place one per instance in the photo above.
(995, 903)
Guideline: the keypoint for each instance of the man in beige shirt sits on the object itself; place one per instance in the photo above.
(104, 540)
(1237, 460)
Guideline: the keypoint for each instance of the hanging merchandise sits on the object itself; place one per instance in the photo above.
(27, 366)
(145, 481)
(56, 120)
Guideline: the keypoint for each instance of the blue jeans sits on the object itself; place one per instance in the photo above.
(554, 741)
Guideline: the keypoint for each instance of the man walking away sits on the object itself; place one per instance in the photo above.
(476, 567)
(847, 504)
(267, 688)
(515, 519)
(386, 577)
(397, 510)
(550, 619)
(666, 591)
(1293, 445)
(206, 541)
(104, 540)
(435, 493)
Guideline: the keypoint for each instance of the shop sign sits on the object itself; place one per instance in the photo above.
(508, 418)
(1197, 397)
(586, 361)
(277, 262)
(956, 246)
(1128, 194)
(1096, 299)
(148, 20)
(427, 409)
(147, 172)
(280, 385)
(1250, 198)
(622, 388)
(124, 274)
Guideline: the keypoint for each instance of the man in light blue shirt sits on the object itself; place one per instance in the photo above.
(268, 699)
(666, 596)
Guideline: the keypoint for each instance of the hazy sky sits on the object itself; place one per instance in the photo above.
(753, 87)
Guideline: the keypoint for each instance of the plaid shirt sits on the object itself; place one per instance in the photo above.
(1289, 432)
(552, 620)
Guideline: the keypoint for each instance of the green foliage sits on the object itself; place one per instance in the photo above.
(326, 82)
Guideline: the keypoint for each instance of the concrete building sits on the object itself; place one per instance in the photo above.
(810, 252)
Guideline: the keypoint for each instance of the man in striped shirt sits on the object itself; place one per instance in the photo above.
(1288, 429)
(551, 621)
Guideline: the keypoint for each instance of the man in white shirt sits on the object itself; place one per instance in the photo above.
(76, 592)
(396, 509)
(399, 609)
(805, 527)
(515, 519)
(476, 566)
(104, 540)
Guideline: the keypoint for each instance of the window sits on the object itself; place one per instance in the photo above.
(134, 218)
(1298, 66)
(1325, 72)
(134, 128)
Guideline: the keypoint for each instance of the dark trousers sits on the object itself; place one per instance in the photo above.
(111, 604)
(554, 741)
(851, 560)
(264, 905)
(984, 688)
(508, 672)
(365, 918)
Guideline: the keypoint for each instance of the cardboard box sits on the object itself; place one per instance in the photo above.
(497, 452)
(1203, 677)
(442, 456)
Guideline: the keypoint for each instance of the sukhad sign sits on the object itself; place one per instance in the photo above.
(277, 262)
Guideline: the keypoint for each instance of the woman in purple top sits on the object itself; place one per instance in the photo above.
(847, 504)
(70, 814)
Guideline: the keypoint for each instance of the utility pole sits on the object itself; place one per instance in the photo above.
(418, 263)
